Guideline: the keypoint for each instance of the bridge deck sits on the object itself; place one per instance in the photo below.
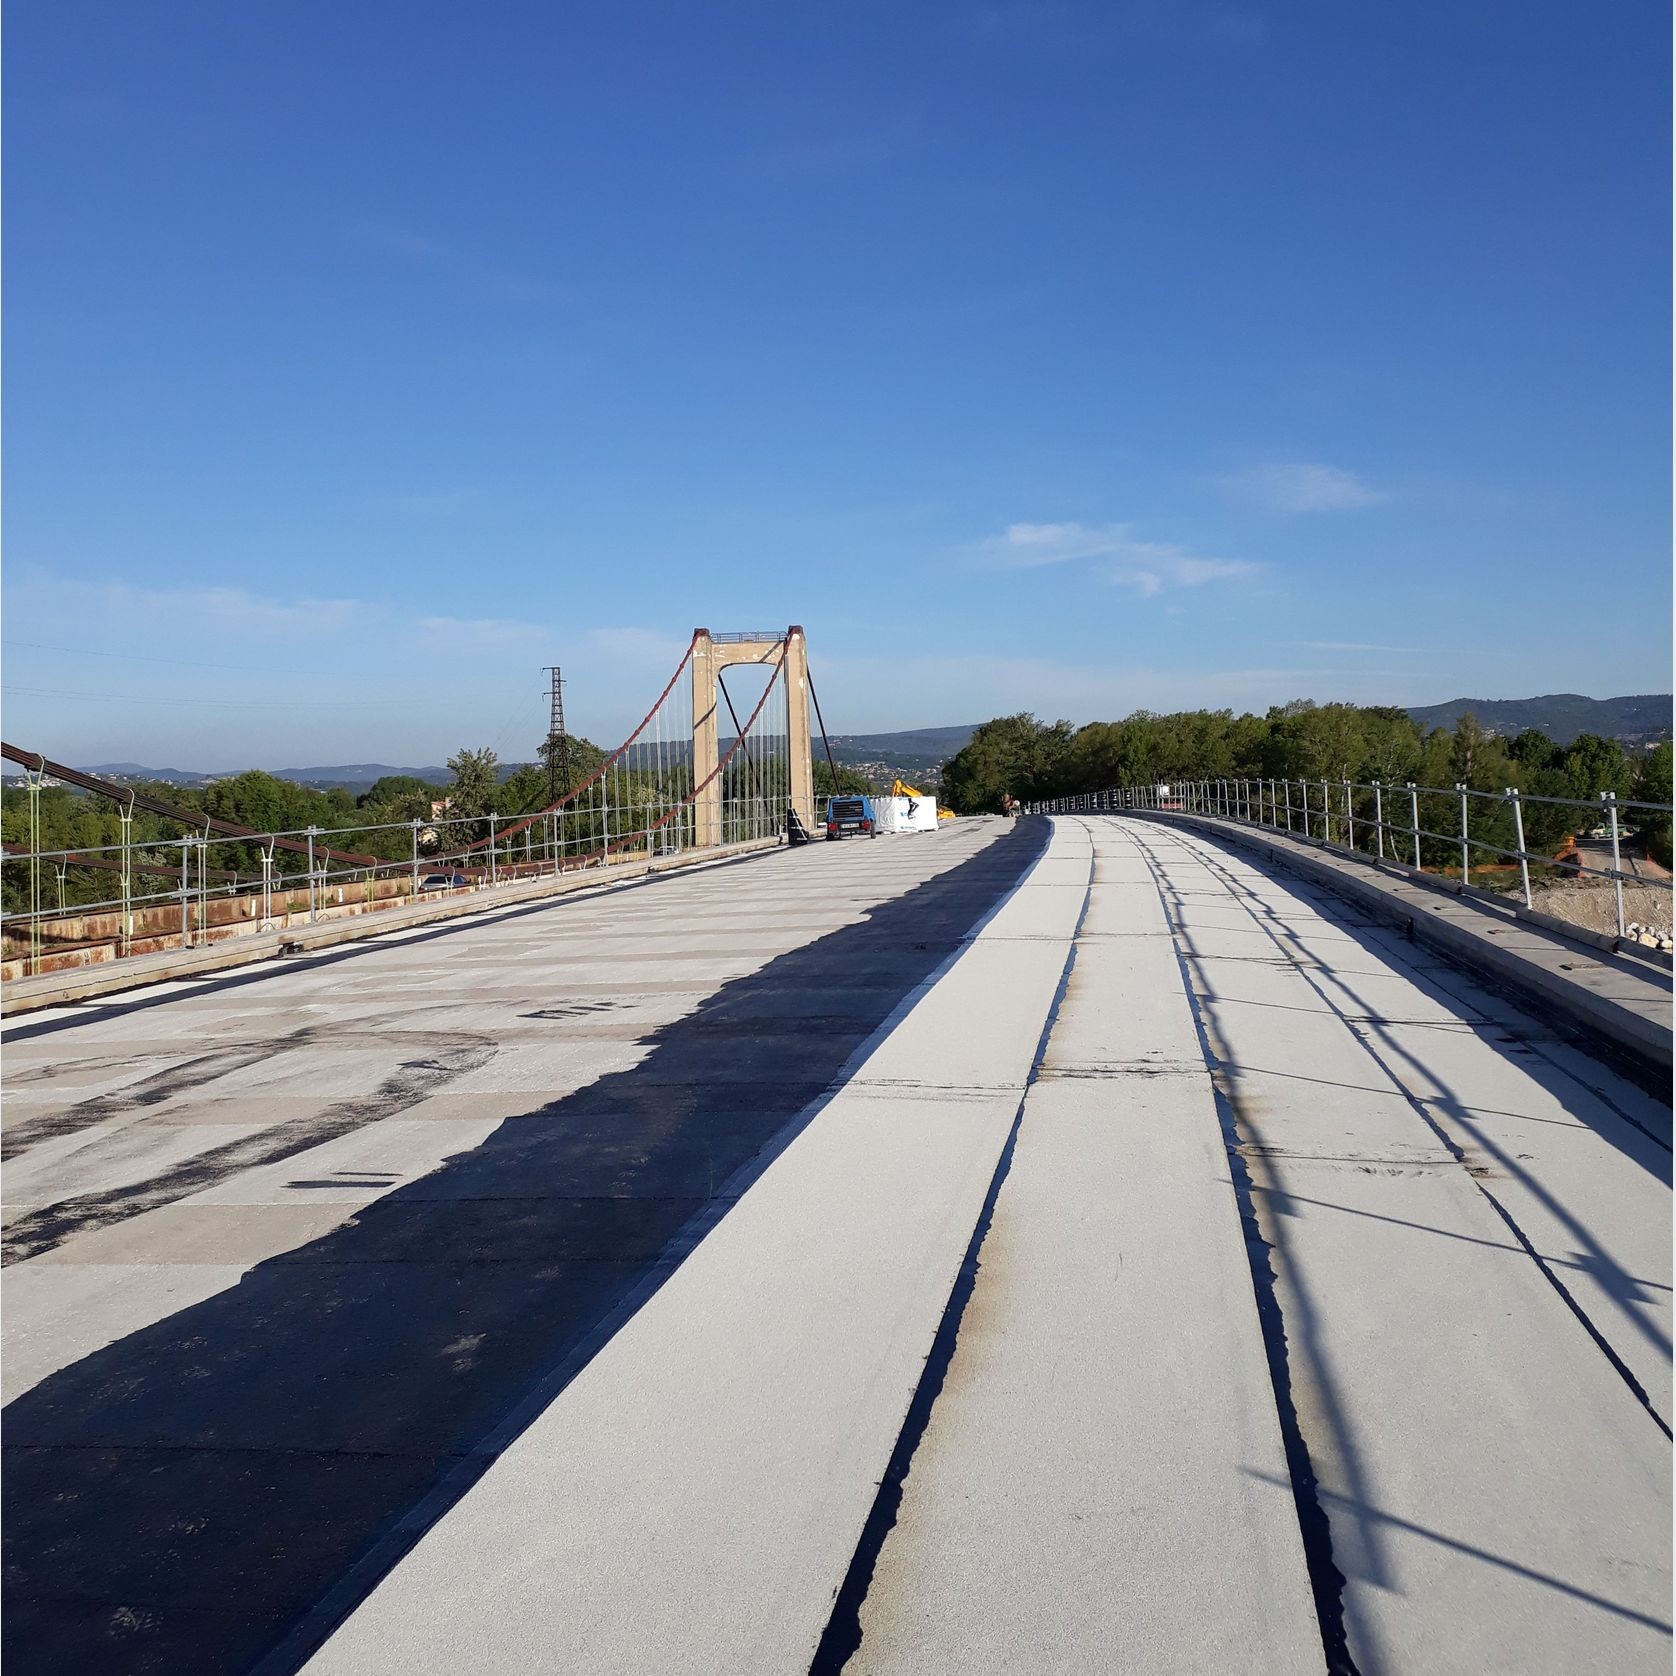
(1213, 1280)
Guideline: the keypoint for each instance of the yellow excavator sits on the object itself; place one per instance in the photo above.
(901, 788)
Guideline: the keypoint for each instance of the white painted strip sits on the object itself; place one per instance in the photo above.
(691, 1500)
(1102, 1484)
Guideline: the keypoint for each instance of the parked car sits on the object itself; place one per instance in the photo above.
(850, 814)
(443, 881)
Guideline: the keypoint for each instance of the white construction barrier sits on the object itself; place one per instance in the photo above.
(906, 814)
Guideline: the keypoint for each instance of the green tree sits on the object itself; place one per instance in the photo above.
(476, 775)
(523, 791)
(1593, 765)
(1652, 785)
(1015, 754)
(399, 791)
(848, 779)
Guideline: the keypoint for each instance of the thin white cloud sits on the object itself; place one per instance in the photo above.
(486, 633)
(422, 503)
(1148, 566)
(834, 154)
(192, 610)
(1346, 646)
(1291, 486)
(637, 645)
(420, 250)
(401, 241)
(190, 614)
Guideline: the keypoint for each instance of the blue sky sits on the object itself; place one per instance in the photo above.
(363, 359)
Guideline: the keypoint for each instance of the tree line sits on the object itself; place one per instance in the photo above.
(1034, 760)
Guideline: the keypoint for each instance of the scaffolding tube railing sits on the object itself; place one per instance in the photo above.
(639, 801)
(1365, 818)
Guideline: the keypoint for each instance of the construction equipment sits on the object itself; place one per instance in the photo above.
(901, 788)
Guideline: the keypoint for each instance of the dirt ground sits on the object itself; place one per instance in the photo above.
(1589, 903)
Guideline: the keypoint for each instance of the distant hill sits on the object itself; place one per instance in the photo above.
(139, 771)
(1639, 719)
(356, 776)
(920, 750)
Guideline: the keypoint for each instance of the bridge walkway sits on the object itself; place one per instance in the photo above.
(932, 1255)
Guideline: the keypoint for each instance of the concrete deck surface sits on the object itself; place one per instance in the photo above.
(1050, 1246)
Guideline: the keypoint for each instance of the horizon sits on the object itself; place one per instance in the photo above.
(1073, 359)
(438, 760)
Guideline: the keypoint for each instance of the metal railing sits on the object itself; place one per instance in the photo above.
(646, 798)
(1366, 818)
(142, 894)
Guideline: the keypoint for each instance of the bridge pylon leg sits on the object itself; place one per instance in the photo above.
(712, 654)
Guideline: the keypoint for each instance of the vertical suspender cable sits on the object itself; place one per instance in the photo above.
(815, 697)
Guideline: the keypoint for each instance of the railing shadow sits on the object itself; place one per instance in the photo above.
(1306, 1376)
(221, 1487)
(1439, 1103)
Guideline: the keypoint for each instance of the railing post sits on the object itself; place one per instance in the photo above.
(1610, 798)
(185, 875)
(126, 816)
(1286, 786)
(1379, 818)
(1414, 820)
(34, 785)
(413, 870)
(311, 880)
(268, 883)
(1349, 816)
(1326, 813)
(1466, 857)
(494, 877)
(1519, 844)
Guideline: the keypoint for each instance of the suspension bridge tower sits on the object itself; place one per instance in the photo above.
(711, 654)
